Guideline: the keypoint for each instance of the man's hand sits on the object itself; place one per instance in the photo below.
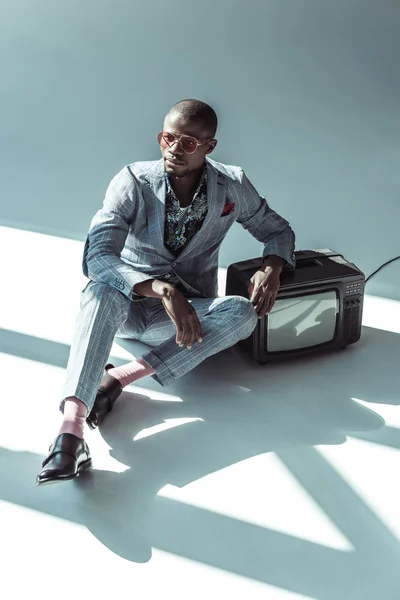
(179, 309)
(182, 313)
(263, 289)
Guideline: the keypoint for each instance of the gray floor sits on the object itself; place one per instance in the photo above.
(275, 482)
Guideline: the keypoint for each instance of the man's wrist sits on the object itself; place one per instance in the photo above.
(167, 290)
(154, 288)
(273, 262)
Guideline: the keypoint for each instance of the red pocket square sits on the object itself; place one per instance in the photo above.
(228, 209)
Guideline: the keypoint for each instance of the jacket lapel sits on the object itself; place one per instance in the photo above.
(216, 193)
(155, 206)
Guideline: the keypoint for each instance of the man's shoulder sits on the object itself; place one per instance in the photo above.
(156, 167)
(232, 172)
(133, 175)
(150, 169)
(141, 169)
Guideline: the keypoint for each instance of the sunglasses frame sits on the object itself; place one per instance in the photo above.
(178, 137)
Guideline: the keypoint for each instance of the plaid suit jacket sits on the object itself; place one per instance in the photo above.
(125, 243)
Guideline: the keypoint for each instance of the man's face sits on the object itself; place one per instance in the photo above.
(176, 161)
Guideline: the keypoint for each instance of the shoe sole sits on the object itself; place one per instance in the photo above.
(91, 425)
(94, 424)
(87, 465)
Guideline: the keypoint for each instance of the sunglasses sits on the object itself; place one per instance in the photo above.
(188, 143)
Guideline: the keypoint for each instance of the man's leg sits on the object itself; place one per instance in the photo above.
(224, 322)
(103, 310)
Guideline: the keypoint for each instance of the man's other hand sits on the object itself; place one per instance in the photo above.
(263, 289)
(182, 313)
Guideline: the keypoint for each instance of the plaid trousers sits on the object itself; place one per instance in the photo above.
(106, 313)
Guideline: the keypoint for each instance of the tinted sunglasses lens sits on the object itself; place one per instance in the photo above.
(165, 139)
(189, 144)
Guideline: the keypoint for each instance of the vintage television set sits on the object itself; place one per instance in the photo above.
(318, 306)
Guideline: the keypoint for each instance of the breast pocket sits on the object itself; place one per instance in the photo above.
(225, 222)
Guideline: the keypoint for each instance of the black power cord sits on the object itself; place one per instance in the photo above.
(381, 267)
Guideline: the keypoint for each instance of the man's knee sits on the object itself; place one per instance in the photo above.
(97, 292)
(243, 310)
(246, 309)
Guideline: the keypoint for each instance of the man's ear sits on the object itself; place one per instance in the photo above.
(211, 147)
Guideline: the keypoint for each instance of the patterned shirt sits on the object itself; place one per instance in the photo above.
(181, 224)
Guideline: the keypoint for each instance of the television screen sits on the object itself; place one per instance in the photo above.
(302, 321)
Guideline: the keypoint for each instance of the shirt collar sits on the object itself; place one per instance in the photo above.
(203, 181)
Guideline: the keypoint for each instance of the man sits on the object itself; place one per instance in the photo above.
(151, 257)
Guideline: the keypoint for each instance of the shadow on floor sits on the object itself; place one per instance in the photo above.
(245, 411)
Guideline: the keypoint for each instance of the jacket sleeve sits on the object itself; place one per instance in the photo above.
(264, 224)
(107, 235)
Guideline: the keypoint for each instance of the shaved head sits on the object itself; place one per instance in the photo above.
(197, 112)
(190, 118)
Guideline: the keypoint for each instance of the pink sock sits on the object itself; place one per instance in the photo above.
(131, 372)
(75, 413)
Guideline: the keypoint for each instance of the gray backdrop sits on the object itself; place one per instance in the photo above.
(307, 92)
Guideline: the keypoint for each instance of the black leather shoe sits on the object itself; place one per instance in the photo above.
(109, 390)
(68, 456)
